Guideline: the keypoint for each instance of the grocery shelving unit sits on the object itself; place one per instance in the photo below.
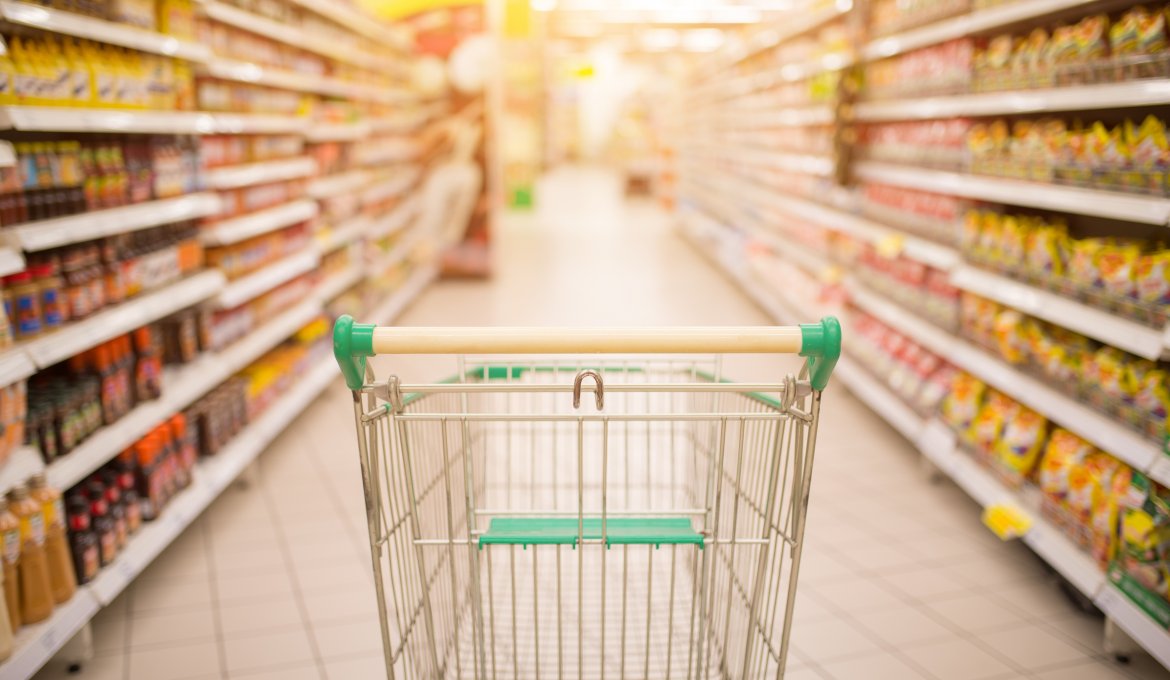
(372, 180)
(737, 201)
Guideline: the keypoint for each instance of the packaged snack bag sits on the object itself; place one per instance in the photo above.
(991, 236)
(1106, 370)
(1064, 450)
(1103, 518)
(1087, 481)
(1023, 437)
(972, 226)
(961, 405)
(1148, 150)
(1014, 237)
(988, 424)
(1144, 534)
(1091, 38)
(1044, 246)
(1150, 389)
(1116, 266)
(1082, 261)
(1152, 277)
(1011, 335)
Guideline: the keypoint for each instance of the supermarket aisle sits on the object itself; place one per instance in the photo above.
(900, 580)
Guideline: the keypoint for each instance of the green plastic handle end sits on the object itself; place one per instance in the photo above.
(821, 343)
(352, 344)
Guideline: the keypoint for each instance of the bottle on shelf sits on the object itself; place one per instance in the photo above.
(61, 573)
(36, 590)
(10, 545)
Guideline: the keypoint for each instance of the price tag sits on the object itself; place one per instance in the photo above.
(1006, 520)
(49, 640)
(890, 246)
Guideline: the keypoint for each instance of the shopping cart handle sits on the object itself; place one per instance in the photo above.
(820, 342)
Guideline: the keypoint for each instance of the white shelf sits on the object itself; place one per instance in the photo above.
(343, 234)
(336, 185)
(248, 72)
(284, 33)
(256, 124)
(389, 150)
(15, 364)
(235, 176)
(394, 186)
(35, 645)
(1131, 207)
(113, 33)
(1097, 428)
(871, 391)
(60, 231)
(22, 463)
(337, 132)
(357, 21)
(11, 261)
(260, 222)
(81, 335)
(247, 287)
(976, 22)
(132, 121)
(1096, 323)
(1153, 638)
(397, 219)
(339, 283)
(1154, 92)
(777, 34)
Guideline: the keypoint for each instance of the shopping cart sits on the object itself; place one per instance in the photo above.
(516, 533)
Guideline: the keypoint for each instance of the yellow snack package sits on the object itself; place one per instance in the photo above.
(988, 423)
(1018, 447)
(1082, 261)
(1044, 246)
(1116, 266)
(1013, 238)
(1087, 481)
(1011, 335)
(972, 226)
(1103, 516)
(1064, 450)
(962, 403)
(1109, 373)
(1152, 277)
(1150, 389)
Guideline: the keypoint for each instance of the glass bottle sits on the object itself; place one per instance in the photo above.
(36, 590)
(61, 574)
(10, 546)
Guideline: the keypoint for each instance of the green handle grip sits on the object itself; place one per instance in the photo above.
(821, 343)
(353, 343)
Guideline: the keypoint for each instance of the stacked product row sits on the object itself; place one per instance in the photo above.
(1007, 251)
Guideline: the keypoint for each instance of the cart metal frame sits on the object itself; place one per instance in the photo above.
(516, 534)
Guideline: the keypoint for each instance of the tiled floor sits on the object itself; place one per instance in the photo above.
(900, 581)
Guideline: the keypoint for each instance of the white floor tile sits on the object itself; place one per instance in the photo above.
(882, 666)
(956, 659)
(1032, 647)
(267, 650)
(165, 628)
(178, 662)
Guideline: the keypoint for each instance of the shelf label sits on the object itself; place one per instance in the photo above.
(1007, 520)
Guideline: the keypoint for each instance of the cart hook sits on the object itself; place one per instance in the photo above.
(599, 392)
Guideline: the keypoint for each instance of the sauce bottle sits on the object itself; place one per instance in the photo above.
(7, 643)
(61, 575)
(126, 484)
(116, 508)
(82, 540)
(103, 525)
(10, 547)
(36, 590)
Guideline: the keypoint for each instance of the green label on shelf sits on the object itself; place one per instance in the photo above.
(1155, 606)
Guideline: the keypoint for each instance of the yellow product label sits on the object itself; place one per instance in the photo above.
(1007, 521)
(54, 513)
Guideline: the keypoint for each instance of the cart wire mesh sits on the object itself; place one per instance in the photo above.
(653, 531)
